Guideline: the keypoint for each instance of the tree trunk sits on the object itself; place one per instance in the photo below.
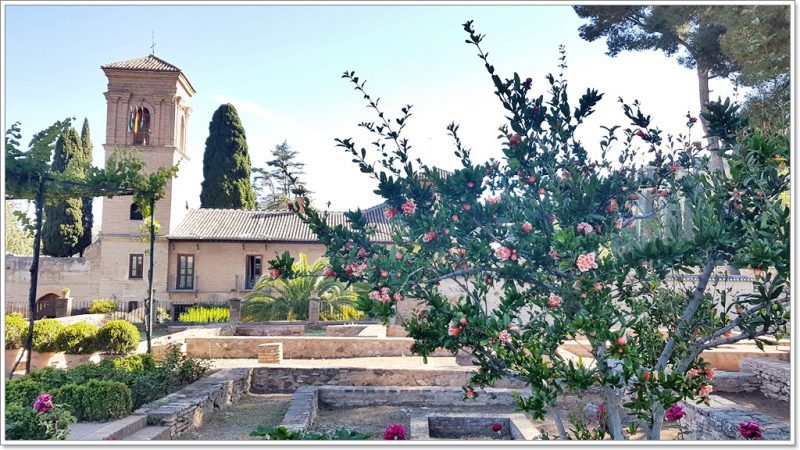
(653, 432)
(614, 415)
(148, 304)
(37, 244)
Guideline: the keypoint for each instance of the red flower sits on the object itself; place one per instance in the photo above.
(642, 134)
(612, 206)
(275, 273)
(409, 207)
(429, 236)
(750, 430)
(675, 412)
(328, 272)
(527, 227)
(554, 301)
(454, 217)
(515, 140)
(395, 433)
(390, 212)
(496, 427)
(467, 206)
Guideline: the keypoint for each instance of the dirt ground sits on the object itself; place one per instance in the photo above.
(765, 405)
(236, 422)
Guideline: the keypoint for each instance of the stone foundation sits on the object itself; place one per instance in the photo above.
(302, 409)
(460, 426)
(735, 382)
(186, 409)
(720, 421)
(774, 377)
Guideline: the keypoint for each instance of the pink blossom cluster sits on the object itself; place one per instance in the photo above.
(494, 201)
(275, 273)
(504, 253)
(409, 207)
(429, 236)
(504, 336)
(328, 272)
(384, 295)
(43, 403)
(356, 269)
(750, 430)
(395, 433)
(554, 301)
(527, 227)
(586, 262)
(674, 413)
(584, 228)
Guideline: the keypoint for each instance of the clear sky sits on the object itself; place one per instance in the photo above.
(281, 67)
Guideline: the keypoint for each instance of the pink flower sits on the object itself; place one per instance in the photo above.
(709, 372)
(553, 253)
(275, 273)
(633, 197)
(676, 166)
(527, 227)
(494, 201)
(375, 295)
(384, 274)
(504, 337)
(691, 373)
(463, 321)
(586, 262)
(454, 217)
(705, 389)
(398, 296)
(409, 207)
(612, 206)
(467, 206)
(675, 412)
(554, 301)
(628, 204)
(584, 228)
(395, 433)
(584, 294)
(398, 256)
(515, 140)
(622, 340)
(750, 430)
(540, 191)
(503, 253)
(328, 272)
(469, 393)
(496, 427)
(618, 223)
(429, 236)
(454, 330)
(420, 313)
(470, 184)
(390, 212)
(43, 403)
(598, 286)
(642, 134)
(361, 252)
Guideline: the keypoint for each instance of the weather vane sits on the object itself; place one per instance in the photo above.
(153, 45)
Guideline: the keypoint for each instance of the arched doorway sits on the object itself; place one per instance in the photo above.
(46, 306)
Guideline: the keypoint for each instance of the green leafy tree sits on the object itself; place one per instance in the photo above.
(274, 298)
(539, 244)
(18, 240)
(685, 31)
(281, 178)
(87, 216)
(63, 226)
(226, 163)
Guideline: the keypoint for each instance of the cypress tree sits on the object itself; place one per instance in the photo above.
(226, 163)
(87, 216)
(63, 226)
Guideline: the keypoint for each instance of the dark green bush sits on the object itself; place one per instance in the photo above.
(23, 392)
(25, 423)
(105, 400)
(118, 337)
(72, 397)
(16, 330)
(87, 372)
(102, 306)
(45, 334)
(49, 377)
(80, 337)
(149, 386)
(183, 368)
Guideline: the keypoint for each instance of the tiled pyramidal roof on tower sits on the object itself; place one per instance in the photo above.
(150, 63)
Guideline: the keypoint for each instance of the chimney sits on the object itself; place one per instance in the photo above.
(299, 202)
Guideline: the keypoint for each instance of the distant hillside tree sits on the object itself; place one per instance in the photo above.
(86, 209)
(226, 163)
(18, 240)
(281, 178)
(63, 225)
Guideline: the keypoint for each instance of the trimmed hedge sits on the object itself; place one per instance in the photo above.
(118, 337)
(80, 338)
(23, 392)
(97, 400)
(102, 306)
(45, 334)
(16, 330)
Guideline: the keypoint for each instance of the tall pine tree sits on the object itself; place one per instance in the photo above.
(226, 163)
(63, 225)
(87, 215)
(281, 177)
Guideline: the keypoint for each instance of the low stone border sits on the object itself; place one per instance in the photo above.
(735, 382)
(302, 409)
(721, 418)
(773, 376)
(187, 408)
(356, 396)
(454, 425)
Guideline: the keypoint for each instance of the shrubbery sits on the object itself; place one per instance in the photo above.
(102, 306)
(23, 392)
(45, 334)
(16, 330)
(204, 314)
(100, 400)
(281, 433)
(118, 337)
(80, 337)
(25, 423)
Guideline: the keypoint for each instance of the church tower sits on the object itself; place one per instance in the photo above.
(147, 111)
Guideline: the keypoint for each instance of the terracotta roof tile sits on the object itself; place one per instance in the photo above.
(148, 63)
(277, 226)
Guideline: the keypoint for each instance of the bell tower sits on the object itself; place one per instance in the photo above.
(148, 112)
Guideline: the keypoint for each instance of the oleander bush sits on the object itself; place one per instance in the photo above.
(16, 330)
(118, 337)
(80, 338)
(45, 335)
(102, 306)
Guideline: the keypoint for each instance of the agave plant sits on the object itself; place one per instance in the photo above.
(279, 299)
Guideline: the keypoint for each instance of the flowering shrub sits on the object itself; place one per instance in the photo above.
(674, 413)
(606, 231)
(23, 422)
(395, 433)
(750, 430)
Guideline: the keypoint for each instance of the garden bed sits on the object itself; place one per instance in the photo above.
(244, 416)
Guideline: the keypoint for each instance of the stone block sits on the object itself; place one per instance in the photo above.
(271, 353)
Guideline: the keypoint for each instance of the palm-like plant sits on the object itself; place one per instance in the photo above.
(278, 299)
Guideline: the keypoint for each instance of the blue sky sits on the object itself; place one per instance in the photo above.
(281, 67)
